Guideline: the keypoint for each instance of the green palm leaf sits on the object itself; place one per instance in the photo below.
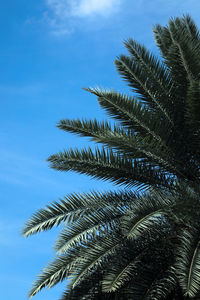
(94, 256)
(108, 165)
(131, 113)
(144, 73)
(86, 229)
(55, 272)
(147, 211)
(119, 139)
(164, 286)
(187, 44)
(116, 278)
(74, 206)
(188, 262)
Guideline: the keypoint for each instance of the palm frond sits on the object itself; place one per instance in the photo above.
(162, 38)
(119, 275)
(191, 27)
(74, 206)
(131, 113)
(144, 213)
(53, 273)
(122, 140)
(108, 165)
(153, 270)
(188, 46)
(87, 228)
(171, 54)
(94, 256)
(101, 132)
(192, 116)
(63, 211)
(188, 262)
(157, 77)
(164, 286)
(88, 289)
(126, 245)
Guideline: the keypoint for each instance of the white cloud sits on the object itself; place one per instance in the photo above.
(62, 15)
(90, 7)
(82, 8)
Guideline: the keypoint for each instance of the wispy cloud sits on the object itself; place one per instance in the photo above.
(30, 172)
(63, 15)
(25, 172)
(82, 8)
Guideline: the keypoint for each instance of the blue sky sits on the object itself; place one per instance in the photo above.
(49, 50)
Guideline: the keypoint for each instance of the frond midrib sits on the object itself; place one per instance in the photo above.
(93, 263)
(191, 268)
(143, 219)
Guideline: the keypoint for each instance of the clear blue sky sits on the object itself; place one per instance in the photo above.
(49, 50)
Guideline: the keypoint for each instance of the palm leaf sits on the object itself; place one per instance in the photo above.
(131, 113)
(188, 262)
(94, 256)
(121, 140)
(147, 211)
(164, 286)
(86, 229)
(188, 47)
(74, 206)
(119, 275)
(55, 272)
(108, 165)
(157, 77)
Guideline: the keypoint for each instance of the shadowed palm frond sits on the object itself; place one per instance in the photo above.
(113, 281)
(145, 213)
(164, 286)
(181, 36)
(150, 281)
(76, 264)
(94, 256)
(188, 262)
(88, 289)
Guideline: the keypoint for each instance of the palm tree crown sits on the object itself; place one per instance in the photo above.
(128, 244)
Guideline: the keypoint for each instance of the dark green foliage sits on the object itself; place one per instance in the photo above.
(188, 261)
(128, 245)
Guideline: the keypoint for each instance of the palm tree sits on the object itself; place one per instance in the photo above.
(128, 244)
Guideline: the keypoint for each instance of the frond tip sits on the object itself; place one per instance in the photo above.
(52, 274)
